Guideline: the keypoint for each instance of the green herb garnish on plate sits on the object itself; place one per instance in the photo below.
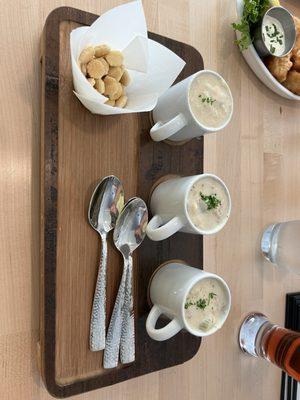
(252, 14)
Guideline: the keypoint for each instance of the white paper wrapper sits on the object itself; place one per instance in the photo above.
(152, 67)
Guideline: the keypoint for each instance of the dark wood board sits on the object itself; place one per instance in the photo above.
(77, 150)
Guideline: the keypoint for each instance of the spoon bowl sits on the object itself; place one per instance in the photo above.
(130, 229)
(106, 203)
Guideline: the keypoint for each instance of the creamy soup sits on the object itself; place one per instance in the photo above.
(208, 204)
(273, 35)
(210, 100)
(206, 305)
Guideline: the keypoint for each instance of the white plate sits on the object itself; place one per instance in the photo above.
(259, 68)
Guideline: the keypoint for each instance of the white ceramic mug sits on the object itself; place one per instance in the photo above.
(173, 117)
(168, 205)
(168, 291)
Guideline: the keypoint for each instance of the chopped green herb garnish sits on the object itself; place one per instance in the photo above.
(276, 31)
(210, 297)
(201, 303)
(188, 304)
(211, 200)
(207, 99)
(275, 36)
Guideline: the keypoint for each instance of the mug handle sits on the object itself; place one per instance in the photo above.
(165, 333)
(163, 130)
(157, 232)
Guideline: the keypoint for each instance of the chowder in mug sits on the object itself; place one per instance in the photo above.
(199, 104)
(205, 305)
(210, 100)
(208, 203)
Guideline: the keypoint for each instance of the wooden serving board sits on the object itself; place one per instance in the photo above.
(77, 150)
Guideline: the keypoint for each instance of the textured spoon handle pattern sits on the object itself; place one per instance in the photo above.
(127, 350)
(98, 317)
(111, 352)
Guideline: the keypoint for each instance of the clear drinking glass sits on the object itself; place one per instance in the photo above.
(258, 337)
(279, 245)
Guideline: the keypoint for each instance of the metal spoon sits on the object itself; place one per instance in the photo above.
(129, 233)
(106, 203)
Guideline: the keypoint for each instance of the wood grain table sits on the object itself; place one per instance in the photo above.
(257, 155)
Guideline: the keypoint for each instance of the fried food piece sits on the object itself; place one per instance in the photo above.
(125, 80)
(279, 66)
(293, 82)
(91, 81)
(102, 50)
(116, 72)
(99, 85)
(121, 102)
(296, 59)
(95, 69)
(105, 64)
(114, 58)
(297, 43)
(86, 55)
(297, 24)
(110, 103)
(111, 86)
(296, 49)
(118, 93)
